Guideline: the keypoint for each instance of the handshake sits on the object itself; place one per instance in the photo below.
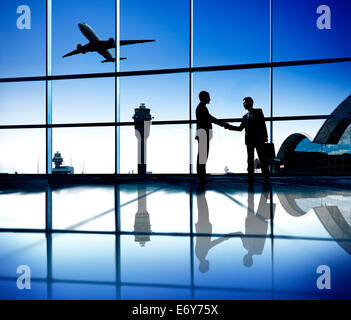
(226, 125)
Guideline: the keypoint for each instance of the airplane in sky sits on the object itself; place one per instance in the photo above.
(100, 46)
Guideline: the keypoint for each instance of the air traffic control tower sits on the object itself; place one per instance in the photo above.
(59, 169)
(142, 122)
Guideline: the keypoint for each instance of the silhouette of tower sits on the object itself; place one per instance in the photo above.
(142, 218)
(58, 160)
(142, 121)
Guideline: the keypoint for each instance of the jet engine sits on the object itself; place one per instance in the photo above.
(111, 41)
(80, 47)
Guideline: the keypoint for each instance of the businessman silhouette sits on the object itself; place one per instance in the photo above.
(255, 137)
(256, 224)
(204, 133)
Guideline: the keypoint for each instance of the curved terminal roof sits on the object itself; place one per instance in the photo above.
(333, 128)
(330, 132)
(290, 143)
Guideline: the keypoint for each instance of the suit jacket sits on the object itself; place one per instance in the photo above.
(255, 127)
(204, 119)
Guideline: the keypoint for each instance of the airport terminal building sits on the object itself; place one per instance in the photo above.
(99, 196)
(328, 153)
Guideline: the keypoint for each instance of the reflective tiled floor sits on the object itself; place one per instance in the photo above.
(157, 240)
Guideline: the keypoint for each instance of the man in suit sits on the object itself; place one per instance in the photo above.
(204, 122)
(255, 137)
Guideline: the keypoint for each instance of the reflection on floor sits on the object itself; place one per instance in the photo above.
(176, 240)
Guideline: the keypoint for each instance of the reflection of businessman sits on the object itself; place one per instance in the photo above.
(204, 122)
(256, 224)
(203, 225)
(255, 137)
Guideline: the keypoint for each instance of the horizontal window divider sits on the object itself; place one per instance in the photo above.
(163, 122)
(180, 70)
(169, 234)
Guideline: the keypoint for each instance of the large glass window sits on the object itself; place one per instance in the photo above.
(22, 103)
(165, 22)
(219, 35)
(311, 29)
(310, 90)
(167, 149)
(178, 240)
(86, 100)
(96, 19)
(87, 150)
(227, 90)
(23, 32)
(22, 151)
(231, 32)
(167, 96)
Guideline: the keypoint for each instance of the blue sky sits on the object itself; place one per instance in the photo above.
(229, 32)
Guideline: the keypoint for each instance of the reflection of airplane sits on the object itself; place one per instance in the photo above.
(100, 46)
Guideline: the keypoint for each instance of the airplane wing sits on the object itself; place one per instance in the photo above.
(77, 51)
(126, 42)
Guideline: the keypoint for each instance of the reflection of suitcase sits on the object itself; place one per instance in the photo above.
(269, 151)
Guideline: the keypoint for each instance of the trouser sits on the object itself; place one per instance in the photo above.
(202, 155)
(261, 157)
